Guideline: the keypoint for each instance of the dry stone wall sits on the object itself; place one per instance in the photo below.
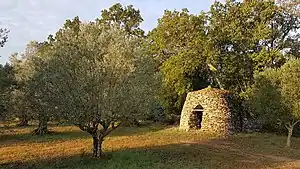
(216, 111)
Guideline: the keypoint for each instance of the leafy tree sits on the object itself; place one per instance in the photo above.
(275, 96)
(96, 77)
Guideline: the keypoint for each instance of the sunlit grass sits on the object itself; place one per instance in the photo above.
(145, 147)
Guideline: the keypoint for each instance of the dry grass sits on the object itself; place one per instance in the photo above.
(145, 147)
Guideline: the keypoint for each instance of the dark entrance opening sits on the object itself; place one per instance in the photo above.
(198, 114)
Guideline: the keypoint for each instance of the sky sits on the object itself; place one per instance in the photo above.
(35, 19)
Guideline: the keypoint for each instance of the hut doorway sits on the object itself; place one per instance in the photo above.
(198, 115)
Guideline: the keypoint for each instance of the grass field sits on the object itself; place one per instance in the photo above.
(146, 147)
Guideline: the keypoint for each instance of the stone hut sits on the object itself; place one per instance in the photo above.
(209, 110)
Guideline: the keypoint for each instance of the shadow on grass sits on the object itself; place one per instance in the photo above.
(29, 137)
(209, 154)
(13, 138)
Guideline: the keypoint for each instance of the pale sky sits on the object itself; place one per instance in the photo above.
(35, 19)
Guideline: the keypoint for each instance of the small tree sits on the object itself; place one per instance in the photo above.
(275, 96)
(96, 77)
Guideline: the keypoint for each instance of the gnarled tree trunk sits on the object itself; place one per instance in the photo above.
(43, 127)
(23, 122)
(98, 135)
(97, 146)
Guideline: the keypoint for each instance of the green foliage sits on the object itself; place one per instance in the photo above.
(235, 30)
(265, 97)
(96, 83)
(249, 36)
(275, 94)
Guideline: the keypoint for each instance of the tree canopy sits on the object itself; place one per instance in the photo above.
(95, 77)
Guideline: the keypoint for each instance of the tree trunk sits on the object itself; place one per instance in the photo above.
(97, 146)
(290, 126)
(100, 147)
(42, 128)
(23, 122)
(290, 133)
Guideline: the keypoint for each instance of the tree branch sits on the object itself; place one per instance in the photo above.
(113, 127)
(295, 123)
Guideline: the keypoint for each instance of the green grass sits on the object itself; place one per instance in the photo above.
(145, 147)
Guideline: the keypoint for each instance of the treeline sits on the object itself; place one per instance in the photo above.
(99, 74)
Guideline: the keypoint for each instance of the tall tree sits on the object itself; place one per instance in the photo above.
(236, 29)
(180, 47)
(96, 77)
(250, 36)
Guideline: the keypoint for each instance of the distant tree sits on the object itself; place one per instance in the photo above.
(6, 84)
(96, 77)
(3, 36)
(25, 103)
(275, 96)
(19, 106)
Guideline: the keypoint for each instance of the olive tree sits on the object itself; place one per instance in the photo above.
(25, 101)
(95, 77)
(275, 96)
(6, 83)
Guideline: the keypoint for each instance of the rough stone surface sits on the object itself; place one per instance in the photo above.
(216, 116)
